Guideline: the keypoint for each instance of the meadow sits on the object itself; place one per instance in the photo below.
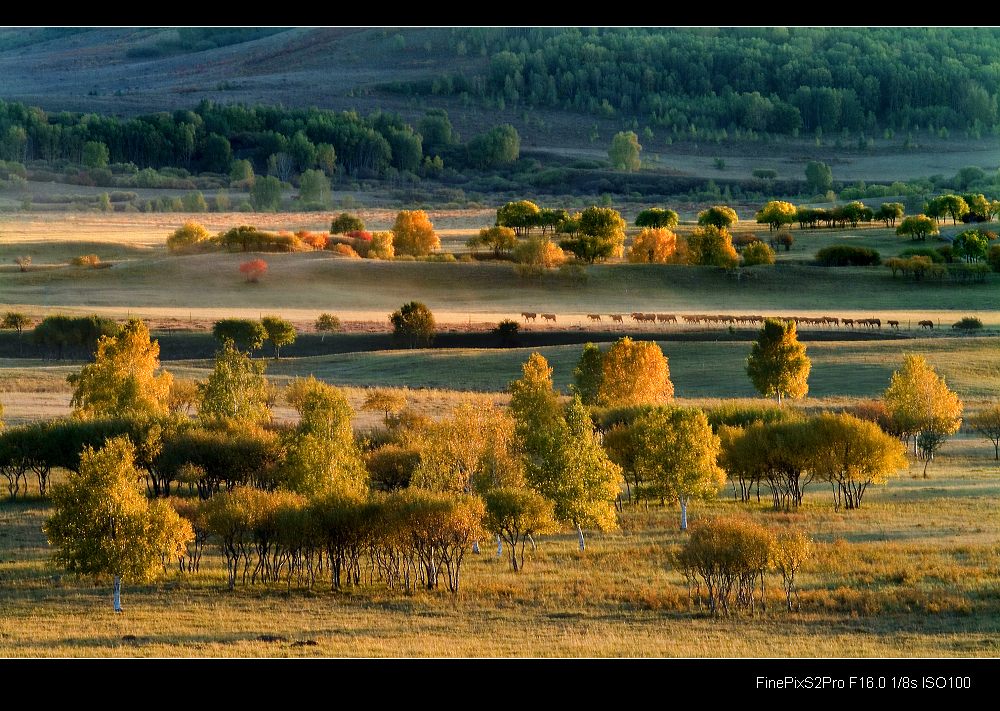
(914, 572)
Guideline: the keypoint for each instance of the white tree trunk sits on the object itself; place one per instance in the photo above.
(118, 593)
(475, 547)
(579, 533)
(684, 513)
(499, 546)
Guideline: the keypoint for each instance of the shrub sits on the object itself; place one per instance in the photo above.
(188, 237)
(344, 223)
(91, 261)
(253, 270)
(784, 239)
(757, 253)
(345, 250)
(507, 330)
(744, 240)
(969, 323)
(381, 246)
(935, 255)
(316, 240)
(993, 257)
(842, 255)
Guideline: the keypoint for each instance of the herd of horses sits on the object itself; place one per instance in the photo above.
(738, 320)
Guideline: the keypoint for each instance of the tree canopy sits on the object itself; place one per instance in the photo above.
(778, 364)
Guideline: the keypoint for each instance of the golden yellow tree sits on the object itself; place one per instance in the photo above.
(778, 364)
(388, 402)
(653, 245)
(711, 246)
(123, 380)
(922, 406)
(634, 373)
(414, 234)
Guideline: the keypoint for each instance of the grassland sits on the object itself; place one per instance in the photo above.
(914, 572)
(146, 281)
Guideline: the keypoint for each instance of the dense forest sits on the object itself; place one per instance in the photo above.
(281, 140)
(776, 80)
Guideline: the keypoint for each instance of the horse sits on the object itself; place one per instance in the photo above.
(926, 324)
(528, 316)
(894, 324)
(594, 317)
(548, 317)
(617, 318)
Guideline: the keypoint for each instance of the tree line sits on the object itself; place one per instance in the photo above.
(762, 80)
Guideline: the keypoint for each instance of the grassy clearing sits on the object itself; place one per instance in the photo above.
(914, 572)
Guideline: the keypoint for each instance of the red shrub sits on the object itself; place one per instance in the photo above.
(253, 270)
(360, 234)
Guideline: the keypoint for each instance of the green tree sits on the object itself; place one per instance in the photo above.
(954, 206)
(437, 131)
(819, 177)
(922, 406)
(279, 332)
(711, 247)
(971, 245)
(501, 240)
(346, 222)
(194, 201)
(16, 321)
(778, 364)
(634, 373)
(501, 145)
(242, 173)
(245, 334)
(327, 323)
(624, 151)
(600, 234)
(413, 233)
(577, 475)
(326, 158)
(321, 454)
(917, 227)
(656, 217)
(677, 456)
(236, 393)
(413, 323)
(588, 374)
(314, 189)
(987, 423)
(519, 216)
(102, 524)
(125, 378)
(265, 195)
(889, 212)
(95, 155)
(721, 216)
(535, 406)
(302, 151)
(515, 514)
(776, 213)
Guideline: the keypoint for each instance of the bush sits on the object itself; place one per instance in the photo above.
(934, 255)
(842, 255)
(737, 414)
(757, 253)
(91, 261)
(345, 222)
(345, 250)
(316, 240)
(743, 240)
(194, 201)
(993, 257)
(507, 330)
(188, 237)
(381, 246)
(784, 239)
(969, 323)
